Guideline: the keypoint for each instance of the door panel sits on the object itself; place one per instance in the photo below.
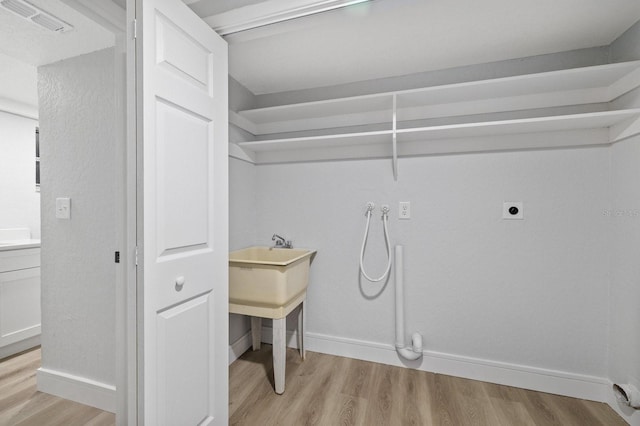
(183, 180)
(190, 351)
(184, 54)
(182, 128)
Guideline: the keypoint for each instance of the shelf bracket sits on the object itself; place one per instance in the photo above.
(240, 153)
(625, 84)
(394, 141)
(243, 123)
(625, 129)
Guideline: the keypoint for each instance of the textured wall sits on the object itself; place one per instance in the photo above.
(77, 125)
(19, 201)
(526, 292)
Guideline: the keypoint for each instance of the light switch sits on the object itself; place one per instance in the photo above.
(63, 208)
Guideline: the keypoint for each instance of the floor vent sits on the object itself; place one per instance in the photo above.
(37, 16)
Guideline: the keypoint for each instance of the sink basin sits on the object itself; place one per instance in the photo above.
(266, 276)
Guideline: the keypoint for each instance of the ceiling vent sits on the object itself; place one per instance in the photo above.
(37, 16)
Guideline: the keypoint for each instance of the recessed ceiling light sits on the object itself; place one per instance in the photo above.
(36, 15)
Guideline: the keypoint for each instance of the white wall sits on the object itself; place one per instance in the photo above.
(242, 211)
(242, 224)
(524, 292)
(554, 295)
(532, 64)
(626, 47)
(18, 87)
(77, 128)
(624, 335)
(19, 200)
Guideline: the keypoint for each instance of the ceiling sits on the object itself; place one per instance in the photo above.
(384, 38)
(24, 46)
(374, 39)
(34, 45)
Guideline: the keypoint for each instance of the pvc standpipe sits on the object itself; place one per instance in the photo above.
(415, 352)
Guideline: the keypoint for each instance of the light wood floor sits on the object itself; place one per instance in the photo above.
(324, 390)
(330, 390)
(22, 405)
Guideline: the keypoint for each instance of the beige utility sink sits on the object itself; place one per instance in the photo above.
(268, 277)
(268, 282)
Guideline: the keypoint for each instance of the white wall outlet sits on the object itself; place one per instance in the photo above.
(63, 208)
(513, 210)
(404, 211)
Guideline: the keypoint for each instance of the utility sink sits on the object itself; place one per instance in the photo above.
(268, 282)
(266, 276)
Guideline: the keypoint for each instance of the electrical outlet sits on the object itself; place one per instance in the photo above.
(405, 210)
(513, 210)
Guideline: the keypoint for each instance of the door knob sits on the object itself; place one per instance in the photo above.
(179, 283)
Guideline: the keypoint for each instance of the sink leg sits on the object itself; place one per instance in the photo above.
(279, 353)
(301, 330)
(256, 332)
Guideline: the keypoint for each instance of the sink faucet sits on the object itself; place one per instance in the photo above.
(281, 242)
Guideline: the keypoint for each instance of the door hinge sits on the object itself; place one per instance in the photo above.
(135, 29)
(136, 255)
(117, 257)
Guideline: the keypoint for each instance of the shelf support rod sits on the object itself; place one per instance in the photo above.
(394, 141)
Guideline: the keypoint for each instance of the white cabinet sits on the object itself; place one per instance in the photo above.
(19, 305)
(19, 299)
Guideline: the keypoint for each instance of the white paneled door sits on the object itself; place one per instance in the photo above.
(182, 130)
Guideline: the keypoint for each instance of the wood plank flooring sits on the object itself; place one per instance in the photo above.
(324, 390)
(330, 390)
(22, 405)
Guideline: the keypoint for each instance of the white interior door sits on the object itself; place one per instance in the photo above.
(182, 130)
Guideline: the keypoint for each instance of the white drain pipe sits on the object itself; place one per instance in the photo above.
(627, 394)
(416, 339)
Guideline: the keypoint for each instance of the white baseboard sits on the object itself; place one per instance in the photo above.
(522, 376)
(78, 389)
(20, 346)
(240, 346)
(292, 339)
